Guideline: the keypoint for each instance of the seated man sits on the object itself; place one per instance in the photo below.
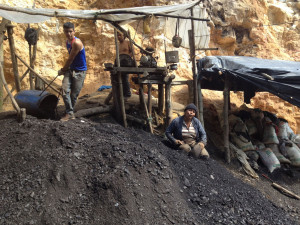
(187, 133)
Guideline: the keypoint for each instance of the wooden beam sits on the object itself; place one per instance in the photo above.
(225, 119)
(93, 16)
(140, 70)
(93, 111)
(35, 73)
(13, 57)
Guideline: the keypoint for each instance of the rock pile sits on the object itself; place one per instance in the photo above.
(81, 172)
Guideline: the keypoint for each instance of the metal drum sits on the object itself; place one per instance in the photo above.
(37, 103)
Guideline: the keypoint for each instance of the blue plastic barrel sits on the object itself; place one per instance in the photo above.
(37, 103)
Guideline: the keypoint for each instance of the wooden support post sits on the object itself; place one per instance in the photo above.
(168, 103)
(150, 99)
(226, 92)
(2, 65)
(120, 85)
(14, 103)
(31, 65)
(149, 118)
(108, 98)
(161, 99)
(168, 81)
(193, 59)
(141, 94)
(2, 31)
(200, 103)
(13, 56)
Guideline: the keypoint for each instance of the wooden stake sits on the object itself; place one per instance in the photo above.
(13, 57)
(226, 123)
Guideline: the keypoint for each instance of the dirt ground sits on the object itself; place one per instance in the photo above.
(94, 171)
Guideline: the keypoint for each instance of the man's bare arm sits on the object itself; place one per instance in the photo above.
(76, 47)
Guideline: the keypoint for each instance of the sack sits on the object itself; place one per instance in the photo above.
(232, 120)
(269, 135)
(241, 142)
(269, 159)
(252, 129)
(296, 140)
(282, 130)
(293, 153)
(280, 157)
(257, 114)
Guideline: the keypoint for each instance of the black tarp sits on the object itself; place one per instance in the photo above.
(249, 74)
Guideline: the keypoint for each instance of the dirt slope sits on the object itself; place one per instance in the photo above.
(83, 172)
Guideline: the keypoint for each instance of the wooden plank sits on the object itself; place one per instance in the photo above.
(180, 82)
(13, 57)
(139, 70)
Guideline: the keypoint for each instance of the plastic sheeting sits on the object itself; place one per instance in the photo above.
(247, 74)
(26, 15)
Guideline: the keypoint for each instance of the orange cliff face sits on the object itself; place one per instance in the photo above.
(260, 28)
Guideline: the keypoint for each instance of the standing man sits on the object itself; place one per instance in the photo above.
(126, 60)
(187, 133)
(74, 71)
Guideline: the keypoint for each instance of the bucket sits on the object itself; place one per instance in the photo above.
(37, 103)
(172, 57)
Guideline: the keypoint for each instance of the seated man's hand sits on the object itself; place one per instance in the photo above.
(178, 142)
(201, 145)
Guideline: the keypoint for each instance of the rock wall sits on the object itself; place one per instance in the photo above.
(261, 28)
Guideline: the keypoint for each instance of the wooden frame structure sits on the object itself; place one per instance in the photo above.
(146, 76)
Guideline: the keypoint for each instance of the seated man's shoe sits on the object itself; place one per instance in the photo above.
(68, 117)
